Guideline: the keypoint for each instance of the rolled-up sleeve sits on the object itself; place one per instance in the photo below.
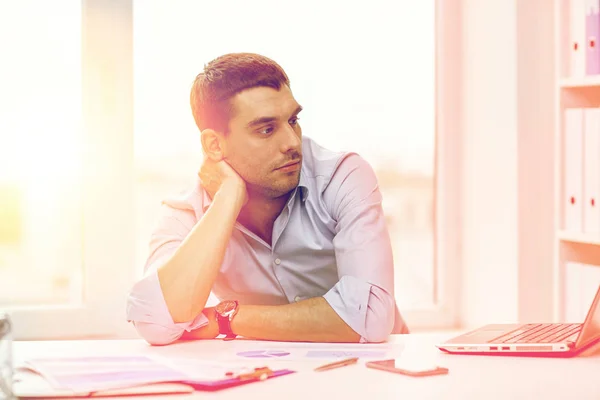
(364, 307)
(364, 294)
(146, 306)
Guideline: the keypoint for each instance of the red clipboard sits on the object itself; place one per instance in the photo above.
(258, 375)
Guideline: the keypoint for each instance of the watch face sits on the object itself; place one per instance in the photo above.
(225, 307)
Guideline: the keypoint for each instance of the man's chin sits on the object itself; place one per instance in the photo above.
(284, 188)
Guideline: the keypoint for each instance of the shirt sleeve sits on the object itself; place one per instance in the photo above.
(146, 306)
(364, 294)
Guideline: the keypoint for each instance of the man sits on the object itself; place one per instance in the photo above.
(290, 236)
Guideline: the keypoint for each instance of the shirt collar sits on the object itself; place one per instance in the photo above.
(303, 184)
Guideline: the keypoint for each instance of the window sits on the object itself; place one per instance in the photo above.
(364, 73)
(74, 230)
(40, 188)
(63, 265)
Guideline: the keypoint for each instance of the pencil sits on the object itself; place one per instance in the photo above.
(337, 364)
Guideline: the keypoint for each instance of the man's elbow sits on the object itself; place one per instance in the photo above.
(380, 320)
(157, 335)
(379, 330)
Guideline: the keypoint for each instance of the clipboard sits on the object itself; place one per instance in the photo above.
(258, 375)
(37, 387)
(38, 377)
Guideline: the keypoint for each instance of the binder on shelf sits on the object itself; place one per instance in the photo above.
(591, 171)
(577, 41)
(592, 28)
(573, 171)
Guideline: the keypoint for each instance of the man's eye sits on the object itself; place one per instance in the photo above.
(266, 130)
(294, 121)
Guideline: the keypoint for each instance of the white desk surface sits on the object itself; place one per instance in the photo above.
(470, 377)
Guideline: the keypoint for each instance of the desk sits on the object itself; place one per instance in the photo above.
(470, 377)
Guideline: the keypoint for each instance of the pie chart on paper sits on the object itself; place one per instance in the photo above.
(263, 354)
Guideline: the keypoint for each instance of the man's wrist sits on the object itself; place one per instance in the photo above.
(235, 323)
(232, 191)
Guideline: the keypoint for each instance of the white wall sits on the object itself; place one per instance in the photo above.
(506, 107)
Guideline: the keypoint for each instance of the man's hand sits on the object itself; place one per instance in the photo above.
(209, 331)
(220, 175)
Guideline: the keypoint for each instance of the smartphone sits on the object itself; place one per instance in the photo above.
(410, 368)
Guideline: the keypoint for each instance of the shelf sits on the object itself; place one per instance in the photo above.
(580, 82)
(581, 238)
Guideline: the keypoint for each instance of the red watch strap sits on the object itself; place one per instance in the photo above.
(224, 326)
(225, 311)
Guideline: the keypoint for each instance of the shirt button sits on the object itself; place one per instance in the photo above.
(277, 261)
(297, 299)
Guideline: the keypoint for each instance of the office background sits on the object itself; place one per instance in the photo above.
(457, 104)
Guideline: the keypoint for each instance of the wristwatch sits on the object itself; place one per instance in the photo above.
(225, 311)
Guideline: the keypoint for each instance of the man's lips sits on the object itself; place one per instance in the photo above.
(289, 164)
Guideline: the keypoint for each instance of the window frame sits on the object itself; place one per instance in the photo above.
(444, 313)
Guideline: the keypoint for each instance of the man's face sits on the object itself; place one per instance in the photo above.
(264, 136)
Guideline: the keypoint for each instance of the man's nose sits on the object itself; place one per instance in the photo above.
(291, 140)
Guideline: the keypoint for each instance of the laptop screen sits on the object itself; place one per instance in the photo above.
(591, 327)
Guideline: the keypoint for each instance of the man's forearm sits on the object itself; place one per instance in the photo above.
(311, 320)
(187, 277)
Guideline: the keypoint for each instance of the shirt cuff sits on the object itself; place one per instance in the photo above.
(146, 307)
(349, 298)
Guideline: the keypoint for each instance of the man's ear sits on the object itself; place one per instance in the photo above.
(213, 144)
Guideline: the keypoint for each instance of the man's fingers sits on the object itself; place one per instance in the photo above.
(205, 179)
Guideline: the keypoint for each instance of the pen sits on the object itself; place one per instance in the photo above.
(337, 364)
(259, 373)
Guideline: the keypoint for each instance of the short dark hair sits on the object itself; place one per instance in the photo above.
(223, 78)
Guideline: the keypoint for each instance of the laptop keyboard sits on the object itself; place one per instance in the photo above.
(540, 333)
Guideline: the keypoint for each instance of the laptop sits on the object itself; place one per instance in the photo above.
(549, 340)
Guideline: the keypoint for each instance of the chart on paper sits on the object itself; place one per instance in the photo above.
(297, 354)
(344, 354)
(263, 354)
